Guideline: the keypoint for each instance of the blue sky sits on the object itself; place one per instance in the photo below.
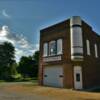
(25, 18)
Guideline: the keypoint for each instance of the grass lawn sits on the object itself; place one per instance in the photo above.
(56, 93)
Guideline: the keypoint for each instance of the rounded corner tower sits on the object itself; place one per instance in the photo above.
(76, 38)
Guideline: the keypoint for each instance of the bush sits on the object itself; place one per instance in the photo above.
(2, 80)
(27, 79)
(14, 78)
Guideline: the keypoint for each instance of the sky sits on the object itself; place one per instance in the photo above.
(22, 20)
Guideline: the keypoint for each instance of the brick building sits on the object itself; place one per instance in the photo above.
(69, 55)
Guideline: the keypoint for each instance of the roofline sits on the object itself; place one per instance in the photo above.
(66, 21)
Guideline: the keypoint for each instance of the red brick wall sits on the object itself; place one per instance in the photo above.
(90, 65)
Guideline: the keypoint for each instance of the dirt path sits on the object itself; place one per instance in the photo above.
(30, 91)
(7, 94)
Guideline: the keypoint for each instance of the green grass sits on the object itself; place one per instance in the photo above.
(2, 81)
(21, 79)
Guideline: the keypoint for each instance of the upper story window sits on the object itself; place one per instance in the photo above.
(96, 50)
(45, 49)
(59, 46)
(52, 48)
(88, 47)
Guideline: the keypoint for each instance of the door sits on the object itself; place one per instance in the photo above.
(53, 76)
(78, 77)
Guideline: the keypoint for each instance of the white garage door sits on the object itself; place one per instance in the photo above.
(53, 76)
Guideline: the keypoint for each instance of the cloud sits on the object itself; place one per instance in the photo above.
(5, 14)
(22, 46)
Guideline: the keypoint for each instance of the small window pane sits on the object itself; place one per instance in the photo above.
(77, 77)
(52, 48)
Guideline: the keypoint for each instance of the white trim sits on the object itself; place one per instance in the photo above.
(50, 59)
(59, 46)
(75, 58)
(45, 49)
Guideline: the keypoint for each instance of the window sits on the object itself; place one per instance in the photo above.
(76, 36)
(52, 48)
(96, 51)
(59, 46)
(45, 49)
(88, 47)
(77, 77)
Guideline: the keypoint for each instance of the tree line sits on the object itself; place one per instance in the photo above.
(26, 68)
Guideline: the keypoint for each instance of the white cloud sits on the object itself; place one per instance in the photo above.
(5, 14)
(22, 46)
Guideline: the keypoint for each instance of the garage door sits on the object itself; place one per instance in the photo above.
(53, 76)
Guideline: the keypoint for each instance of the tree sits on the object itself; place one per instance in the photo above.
(7, 55)
(36, 66)
(28, 66)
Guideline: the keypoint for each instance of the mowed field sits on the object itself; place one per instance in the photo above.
(44, 93)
